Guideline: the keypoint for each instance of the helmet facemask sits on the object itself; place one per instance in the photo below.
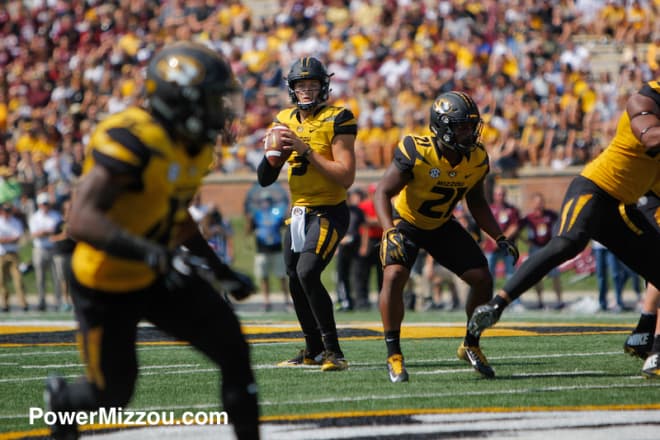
(309, 68)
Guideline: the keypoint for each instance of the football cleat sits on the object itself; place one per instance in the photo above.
(638, 344)
(484, 316)
(651, 368)
(476, 358)
(333, 362)
(397, 368)
(303, 358)
(55, 385)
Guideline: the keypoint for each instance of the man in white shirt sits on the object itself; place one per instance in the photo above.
(43, 224)
(11, 230)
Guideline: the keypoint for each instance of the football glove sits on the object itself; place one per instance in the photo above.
(183, 266)
(509, 247)
(240, 286)
(157, 257)
(393, 245)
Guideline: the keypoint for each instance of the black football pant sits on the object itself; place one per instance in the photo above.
(587, 213)
(325, 226)
(195, 313)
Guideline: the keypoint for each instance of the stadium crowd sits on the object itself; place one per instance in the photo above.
(64, 65)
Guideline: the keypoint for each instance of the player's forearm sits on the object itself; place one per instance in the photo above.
(485, 220)
(384, 213)
(93, 227)
(266, 174)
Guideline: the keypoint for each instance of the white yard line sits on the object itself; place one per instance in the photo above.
(398, 396)
(146, 373)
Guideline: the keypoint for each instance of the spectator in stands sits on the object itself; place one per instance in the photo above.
(635, 281)
(43, 224)
(219, 233)
(63, 247)
(267, 223)
(508, 218)
(348, 252)
(608, 265)
(416, 49)
(368, 253)
(540, 224)
(11, 231)
(437, 279)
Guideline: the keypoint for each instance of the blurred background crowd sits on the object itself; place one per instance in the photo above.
(550, 76)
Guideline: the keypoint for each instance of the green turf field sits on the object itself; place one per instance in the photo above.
(550, 360)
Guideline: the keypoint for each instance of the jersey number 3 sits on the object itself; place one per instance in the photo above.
(299, 166)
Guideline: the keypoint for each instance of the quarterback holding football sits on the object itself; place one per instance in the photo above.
(320, 142)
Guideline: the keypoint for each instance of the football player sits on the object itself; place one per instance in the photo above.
(321, 169)
(600, 204)
(430, 175)
(130, 219)
(641, 342)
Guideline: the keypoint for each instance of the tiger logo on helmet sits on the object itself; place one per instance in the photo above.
(194, 91)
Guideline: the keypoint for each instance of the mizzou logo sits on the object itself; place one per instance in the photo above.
(181, 69)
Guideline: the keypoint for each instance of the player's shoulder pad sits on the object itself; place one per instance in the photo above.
(406, 153)
(126, 141)
(345, 121)
(286, 115)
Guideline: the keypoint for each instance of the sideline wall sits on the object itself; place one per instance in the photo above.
(228, 191)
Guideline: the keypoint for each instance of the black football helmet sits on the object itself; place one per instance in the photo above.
(455, 121)
(308, 68)
(192, 89)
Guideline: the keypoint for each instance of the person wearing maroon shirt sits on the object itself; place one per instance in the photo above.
(368, 254)
(539, 224)
(508, 219)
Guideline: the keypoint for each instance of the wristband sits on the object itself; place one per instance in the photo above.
(307, 152)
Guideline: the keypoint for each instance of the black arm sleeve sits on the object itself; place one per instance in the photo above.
(124, 245)
(199, 246)
(266, 173)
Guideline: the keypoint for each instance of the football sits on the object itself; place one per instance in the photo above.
(275, 152)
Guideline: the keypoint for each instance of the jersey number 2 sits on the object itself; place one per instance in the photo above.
(449, 197)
